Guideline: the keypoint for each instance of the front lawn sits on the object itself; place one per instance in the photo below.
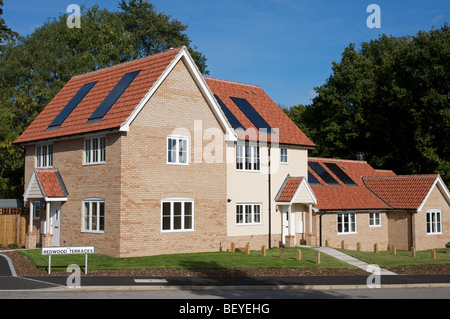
(385, 259)
(213, 260)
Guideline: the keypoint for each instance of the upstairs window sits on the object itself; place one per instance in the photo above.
(94, 150)
(177, 150)
(284, 155)
(44, 156)
(247, 157)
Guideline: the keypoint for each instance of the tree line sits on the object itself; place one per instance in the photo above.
(389, 99)
(34, 68)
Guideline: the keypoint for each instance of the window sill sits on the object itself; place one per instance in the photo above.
(93, 231)
(91, 164)
(177, 231)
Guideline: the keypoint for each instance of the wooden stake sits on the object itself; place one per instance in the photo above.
(299, 255)
(318, 257)
(263, 250)
(233, 247)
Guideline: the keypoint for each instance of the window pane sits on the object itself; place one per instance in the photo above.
(166, 216)
(44, 155)
(94, 214)
(183, 150)
(50, 155)
(187, 215)
(248, 214)
(87, 151)
(257, 213)
(176, 215)
(102, 150)
(86, 216)
(248, 158)
(171, 150)
(102, 216)
(239, 214)
(239, 156)
(256, 158)
(94, 150)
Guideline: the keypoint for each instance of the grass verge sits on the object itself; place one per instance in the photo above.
(211, 260)
(385, 259)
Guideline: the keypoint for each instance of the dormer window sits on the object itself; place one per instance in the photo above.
(44, 156)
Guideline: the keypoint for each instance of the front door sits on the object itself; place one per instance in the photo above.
(285, 224)
(55, 220)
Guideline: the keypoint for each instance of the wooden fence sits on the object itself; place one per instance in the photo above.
(13, 226)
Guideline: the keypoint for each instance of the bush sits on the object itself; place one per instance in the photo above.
(447, 245)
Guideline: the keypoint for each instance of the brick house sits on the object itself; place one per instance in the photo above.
(360, 206)
(149, 157)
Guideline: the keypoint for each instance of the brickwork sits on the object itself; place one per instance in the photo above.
(365, 234)
(147, 178)
(427, 241)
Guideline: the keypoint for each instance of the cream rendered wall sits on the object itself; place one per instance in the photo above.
(252, 187)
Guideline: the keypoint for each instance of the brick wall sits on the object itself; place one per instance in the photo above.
(435, 201)
(366, 235)
(147, 178)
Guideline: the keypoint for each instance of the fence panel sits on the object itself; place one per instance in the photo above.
(13, 227)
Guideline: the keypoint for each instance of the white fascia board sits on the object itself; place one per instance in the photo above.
(199, 80)
(33, 179)
(442, 187)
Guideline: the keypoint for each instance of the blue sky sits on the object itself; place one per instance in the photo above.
(285, 46)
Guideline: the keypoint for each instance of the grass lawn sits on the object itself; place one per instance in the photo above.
(213, 260)
(385, 259)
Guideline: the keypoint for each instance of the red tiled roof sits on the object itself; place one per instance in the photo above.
(345, 197)
(51, 183)
(289, 189)
(289, 133)
(402, 191)
(151, 69)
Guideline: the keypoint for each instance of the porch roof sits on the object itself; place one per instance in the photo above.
(47, 184)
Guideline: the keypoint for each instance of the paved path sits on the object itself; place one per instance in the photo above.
(350, 260)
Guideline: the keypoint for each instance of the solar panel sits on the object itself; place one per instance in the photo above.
(73, 103)
(230, 117)
(340, 174)
(312, 180)
(252, 114)
(323, 174)
(113, 96)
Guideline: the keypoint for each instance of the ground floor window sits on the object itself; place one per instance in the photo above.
(177, 215)
(374, 219)
(248, 214)
(94, 215)
(346, 223)
(434, 225)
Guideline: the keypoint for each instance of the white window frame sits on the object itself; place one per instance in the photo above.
(94, 150)
(248, 157)
(375, 219)
(247, 214)
(177, 157)
(89, 222)
(284, 157)
(342, 224)
(171, 217)
(434, 221)
(44, 156)
(36, 209)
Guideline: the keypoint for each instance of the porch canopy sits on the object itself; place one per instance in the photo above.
(296, 190)
(46, 184)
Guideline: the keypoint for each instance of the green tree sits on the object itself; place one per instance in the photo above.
(390, 99)
(34, 68)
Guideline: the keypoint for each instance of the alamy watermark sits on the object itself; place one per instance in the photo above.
(374, 280)
(73, 20)
(373, 20)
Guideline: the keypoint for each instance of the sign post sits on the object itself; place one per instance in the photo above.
(86, 250)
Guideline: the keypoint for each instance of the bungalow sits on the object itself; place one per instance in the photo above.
(149, 157)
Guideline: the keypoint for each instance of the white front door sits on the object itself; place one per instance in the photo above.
(55, 220)
(285, 223)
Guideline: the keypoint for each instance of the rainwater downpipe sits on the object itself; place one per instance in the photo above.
(270, 203)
